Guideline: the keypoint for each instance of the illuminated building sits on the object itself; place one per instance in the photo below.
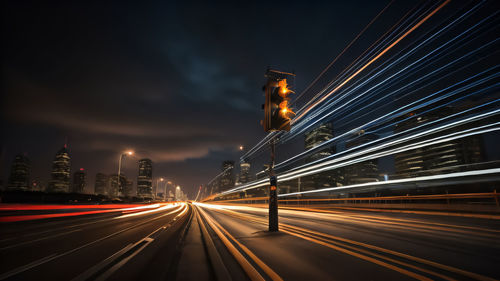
(79, 181)
(113, 184)
(446, 157)
(19, 173)
(60, 177)
(362, 172)
(145, 178)
(313, 138)
(317, 136)
(102, 183)
(244, 176)
(227, 178)
(179, 195)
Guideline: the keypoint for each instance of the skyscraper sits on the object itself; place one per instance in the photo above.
(317, 136)
(79, 181)
(19, 173)
(101, 184)
(60, 177)
(227, 178)
(244, 173)
(445, 157)
(313, 138)
(145, 178)
(113, 184)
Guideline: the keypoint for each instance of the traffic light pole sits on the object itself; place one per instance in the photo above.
(277, 117)
(273, 192)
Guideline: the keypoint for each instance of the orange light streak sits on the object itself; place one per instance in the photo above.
(374, 59)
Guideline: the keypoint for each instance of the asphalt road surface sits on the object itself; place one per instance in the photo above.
(139, 246)
(231, 242)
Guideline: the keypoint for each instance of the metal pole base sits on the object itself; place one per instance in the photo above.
(273, 204)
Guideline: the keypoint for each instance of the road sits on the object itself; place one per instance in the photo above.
(352, 245)
(231, 242)
(94, 246)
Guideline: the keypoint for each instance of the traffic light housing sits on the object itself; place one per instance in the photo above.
(277, 115)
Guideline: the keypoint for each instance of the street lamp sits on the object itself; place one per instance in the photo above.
(156, 188)
(120, 192)
(165, 190)
(177, 192)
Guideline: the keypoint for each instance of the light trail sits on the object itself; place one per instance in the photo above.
(416, 179)
(325, 167)
(272, 135)
(159, 209)
(367, 54)
(291, 134)
(276, 134)
(34, 207)
(391, 114)
(373, 60)
(343, 51)
(350, 102)
(335, 139)
(481, 116)
(297, 127)
(381, 100)
(368, 252)
(329, 165)
(128, 208)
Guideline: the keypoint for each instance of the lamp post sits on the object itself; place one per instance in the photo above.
(157, 184)
(177, 193)
(120, 191)
(165, 191)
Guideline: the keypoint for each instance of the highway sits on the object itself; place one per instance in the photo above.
(199, 241)
(94, 247)
(351, 245)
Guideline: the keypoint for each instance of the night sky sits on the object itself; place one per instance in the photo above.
(177, 82)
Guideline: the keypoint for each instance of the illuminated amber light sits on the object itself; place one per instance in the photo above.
(283, 92)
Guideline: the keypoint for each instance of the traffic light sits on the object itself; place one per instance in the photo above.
(277, 114)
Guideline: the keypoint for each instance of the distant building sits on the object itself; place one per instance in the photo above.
(102, 183)
(314, 138)
(317, 136)
(446, 157)
(79, 181)
(60, 177)
(20, 173)
(362, 172)
(244, 176)
(113, 185)
(128, 188)
(226, 180)
(145, 178)
(178, 193)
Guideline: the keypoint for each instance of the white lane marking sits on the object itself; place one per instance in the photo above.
(91, 271)
(103, 264)
(49, 258)
(117, 266)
